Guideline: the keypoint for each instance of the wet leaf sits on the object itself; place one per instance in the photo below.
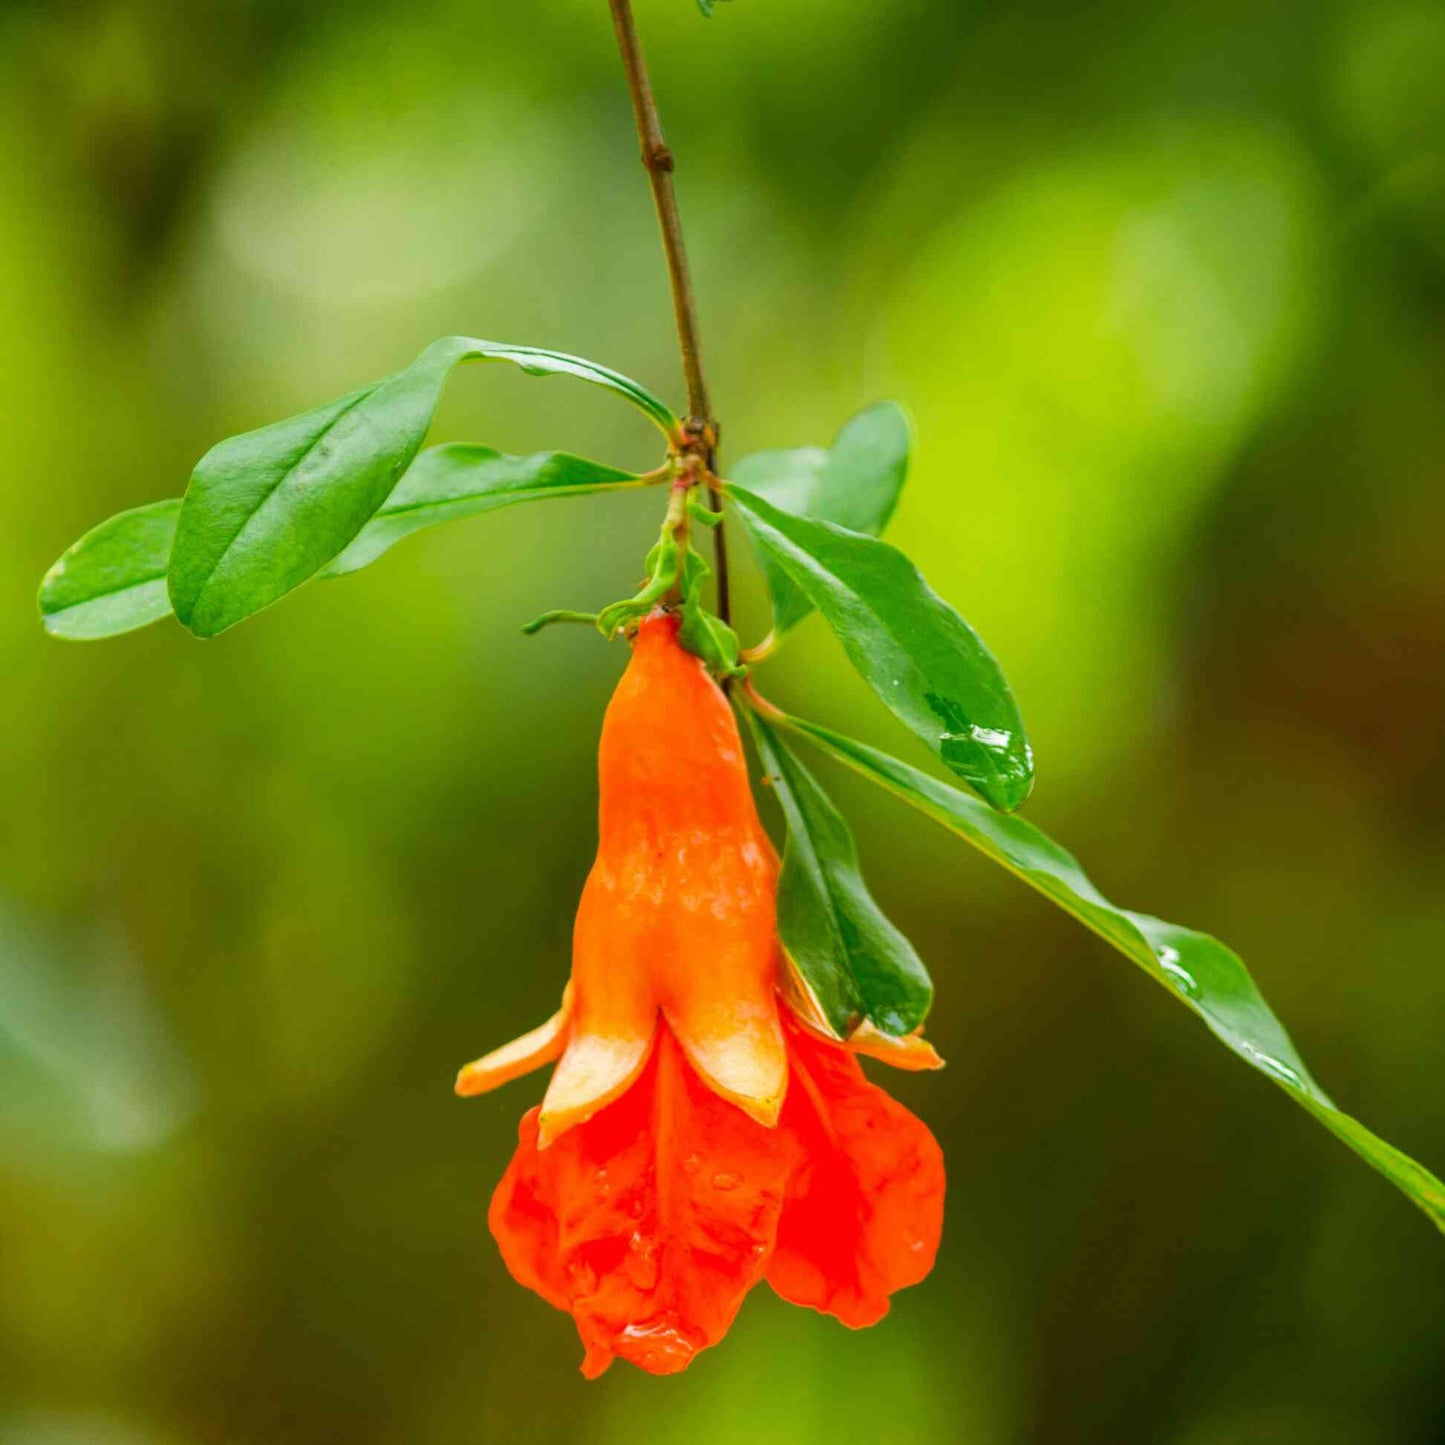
(1200, 971)
(926, 663)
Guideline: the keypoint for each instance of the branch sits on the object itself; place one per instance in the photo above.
(658, 159)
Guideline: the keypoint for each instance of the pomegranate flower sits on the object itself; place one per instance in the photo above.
(698, 1135)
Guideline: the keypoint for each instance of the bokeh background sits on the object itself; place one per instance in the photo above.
(1164, 287)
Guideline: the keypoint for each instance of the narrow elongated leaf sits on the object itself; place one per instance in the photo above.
(1198, 970)
(854, 483)
(537, 361)
(266, 510)
(926, 663)
(113, 579)
(854, 962)
(450, 482)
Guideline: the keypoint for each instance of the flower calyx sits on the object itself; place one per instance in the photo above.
(676, 570)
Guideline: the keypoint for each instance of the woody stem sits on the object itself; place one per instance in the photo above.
(658, 159)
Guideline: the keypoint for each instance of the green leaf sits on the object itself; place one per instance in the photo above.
(447, 483)
(854, 483)
(1199, 971)
(855, 963)
(113, 579)
(267, 510)
(926, 663)
(536, 361)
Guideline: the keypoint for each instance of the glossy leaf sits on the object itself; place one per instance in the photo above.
(113, 580)
(926, 663)
(267, 510)
(1198, 970)
(536, 361)
(855, 964)
(447, 483)
(854, 483)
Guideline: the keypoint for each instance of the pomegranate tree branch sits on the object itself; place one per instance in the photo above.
(658, 159)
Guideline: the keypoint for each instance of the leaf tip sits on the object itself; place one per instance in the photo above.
(1014, 791)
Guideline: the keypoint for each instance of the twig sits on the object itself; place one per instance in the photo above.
(658, 159)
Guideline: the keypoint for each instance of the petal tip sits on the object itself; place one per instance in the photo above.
(764, 1111)
(911, 1052)
(741, 1059)
(541, 1046)
(594, 1070)
(552, 1126)
(596, 1361)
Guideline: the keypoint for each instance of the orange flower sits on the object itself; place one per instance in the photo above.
(697, 1136)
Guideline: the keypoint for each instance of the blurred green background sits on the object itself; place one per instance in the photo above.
(1164, 286)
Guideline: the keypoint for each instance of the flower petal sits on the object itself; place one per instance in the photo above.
(595, 1069)
(523, 1218)
(911, 1052)
(614, 1008)
(865, 1213)
(717, 977)
(543, 1044)
(651, 1221)
(737, 1047)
